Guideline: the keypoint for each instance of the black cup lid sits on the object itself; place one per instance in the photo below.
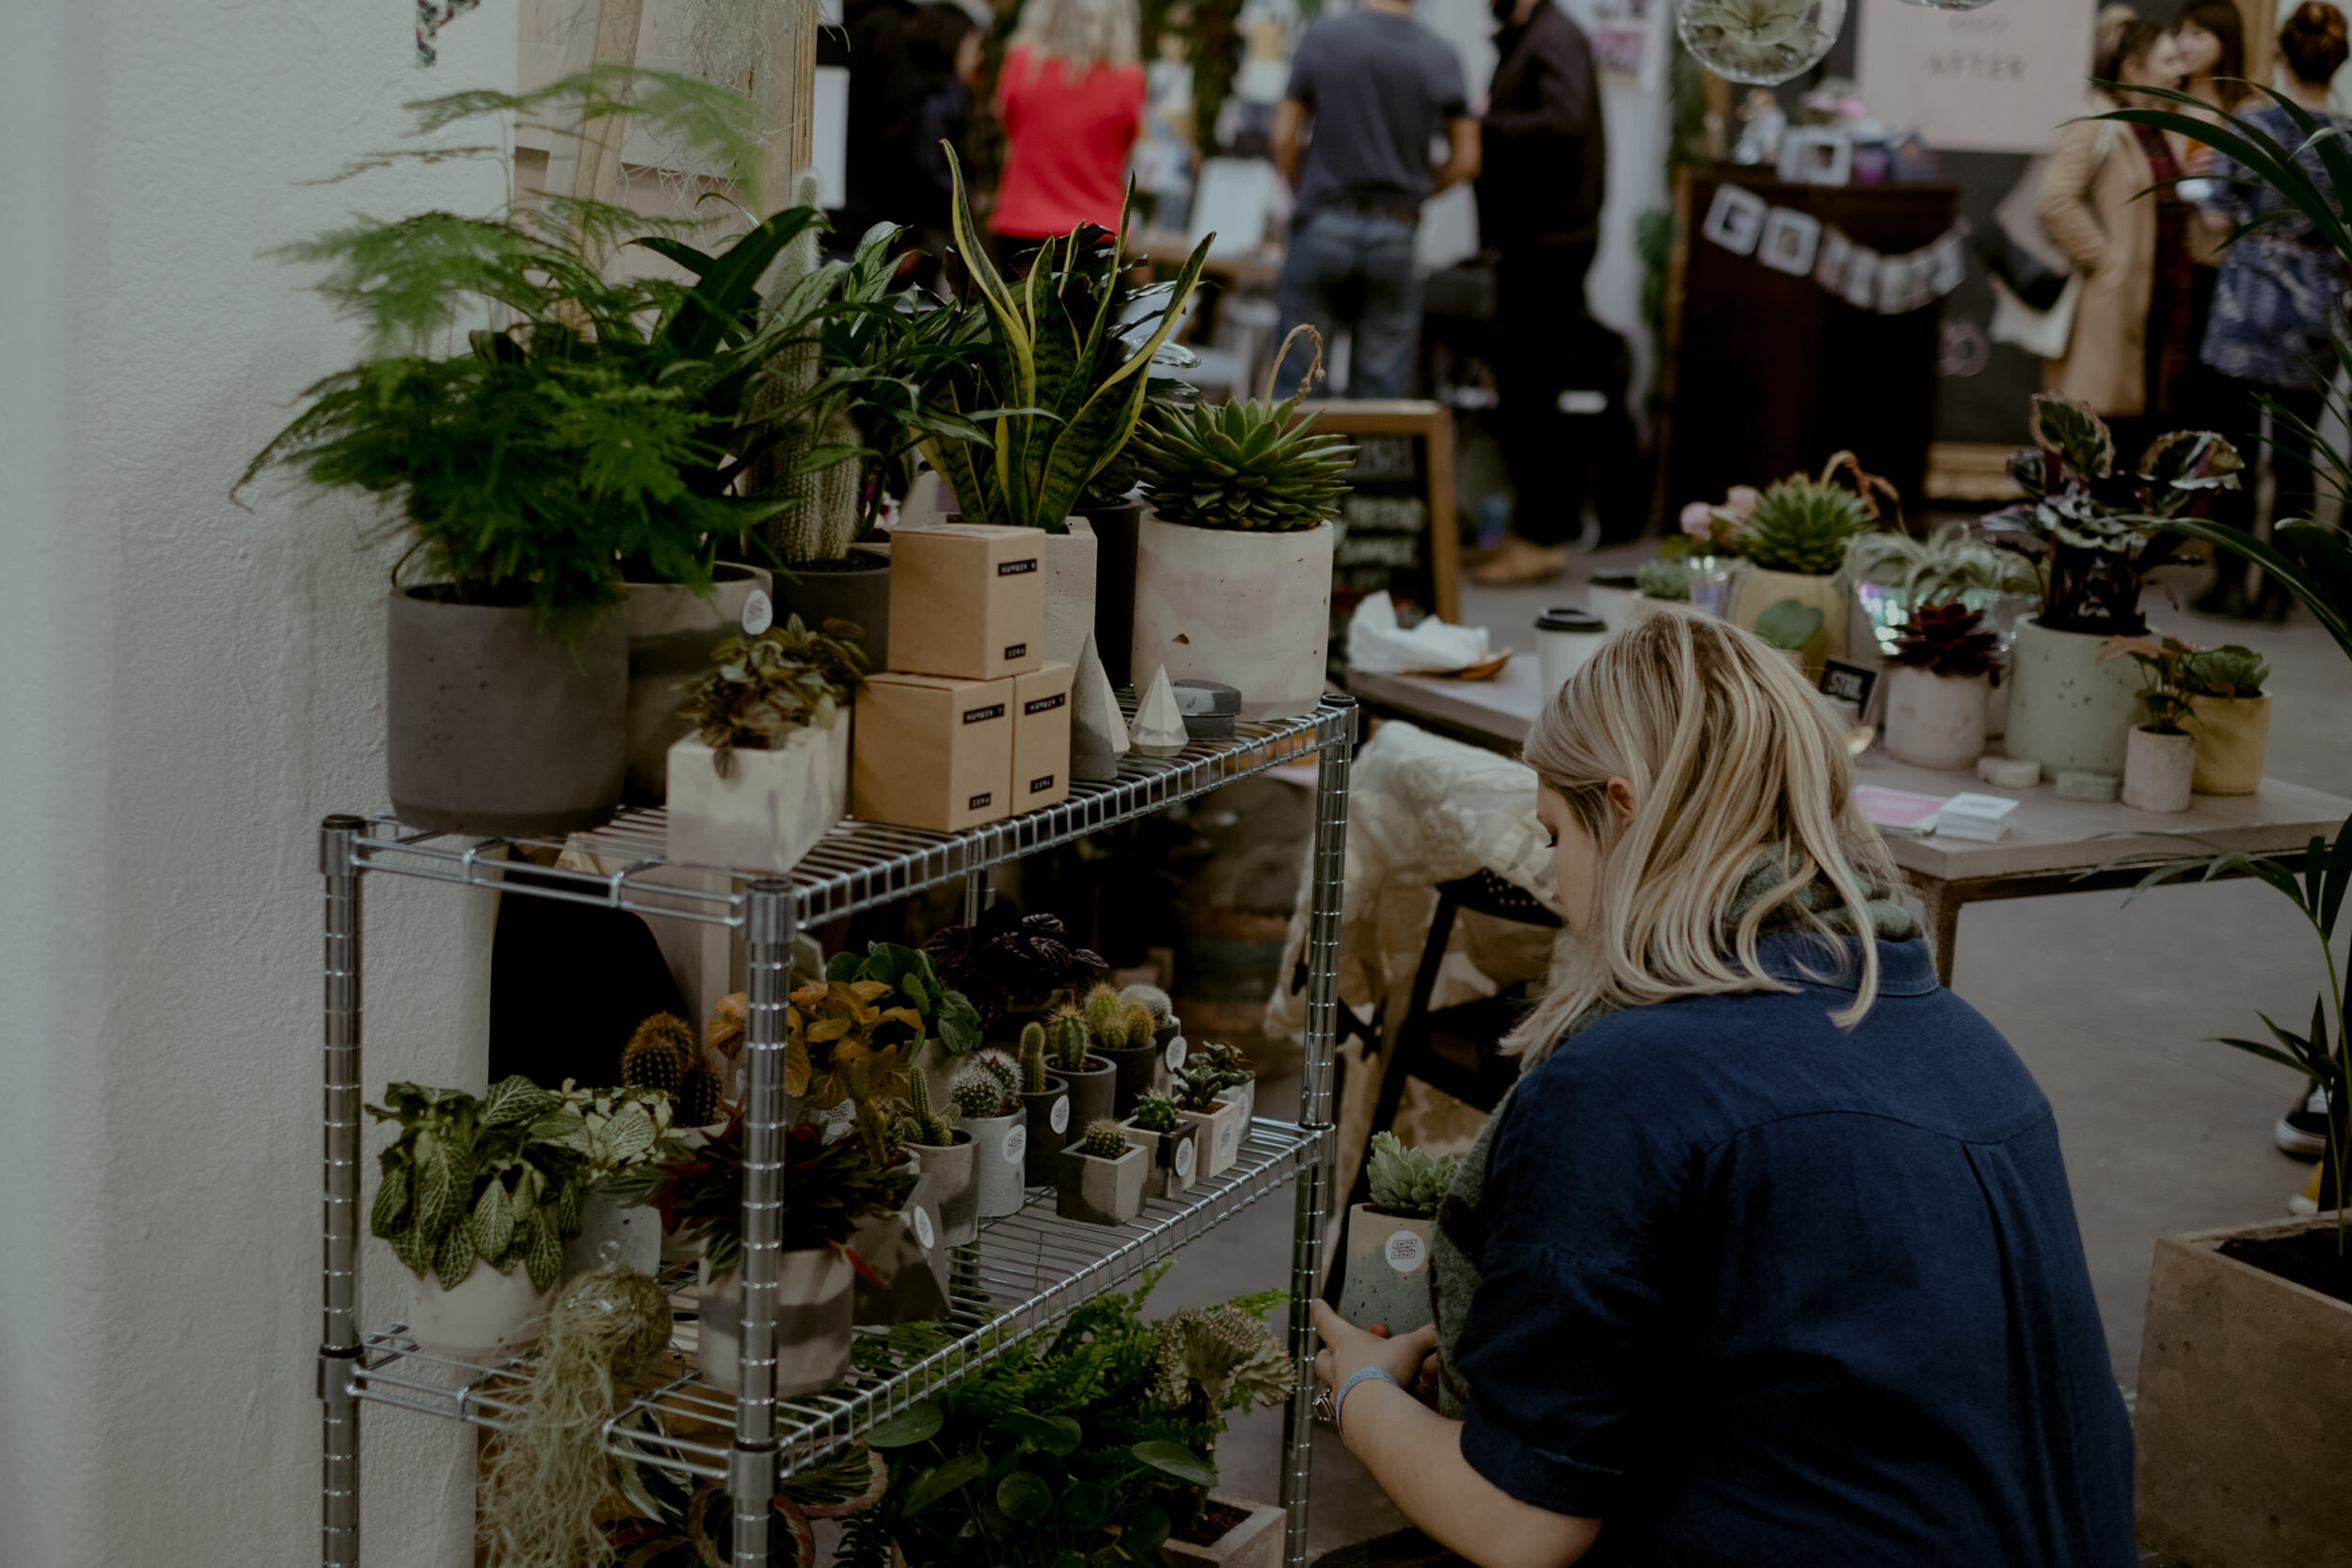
(1615, 579)
(1565, 618)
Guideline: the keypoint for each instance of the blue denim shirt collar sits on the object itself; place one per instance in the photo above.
(1808, 959)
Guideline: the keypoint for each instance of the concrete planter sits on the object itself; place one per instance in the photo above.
(1935, 720)
(770, 810)
(1050, 1113)
(634, 1228)
(1136, 1073)
(2066, 710)
(488, 1317)
(496, 727)
(1098, 1190)
(1221, 1132)
(1175, 1156)
(1072, 567)
(1116, 529)
(2158, 769)
(1000, 1148)
(905, 1251)
(1388, 1270)
(1094, 1093)
(814, 1288)
(2245, 1399)
(671, 631)
(859, 593)
(1760, 590)
(1256, 1542)
(1252, 610)
(2232, 743)
(953, 1173)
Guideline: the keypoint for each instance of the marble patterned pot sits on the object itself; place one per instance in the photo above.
(1099, 1190)
(1175, 1156)
(953, 1174)
(1252, 610)
(772, 807)
(814, 1290)
(1221, 1132)
(2067, 710)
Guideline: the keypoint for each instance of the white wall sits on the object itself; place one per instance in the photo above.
(185, 688)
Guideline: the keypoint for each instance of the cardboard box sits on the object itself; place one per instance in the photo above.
(932, 751)
(1040, 737)
(967, 600)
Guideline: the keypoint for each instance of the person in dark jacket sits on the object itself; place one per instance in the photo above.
(881, 180)
(1543, 176)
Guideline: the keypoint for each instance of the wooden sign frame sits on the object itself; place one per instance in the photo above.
(1434, 423)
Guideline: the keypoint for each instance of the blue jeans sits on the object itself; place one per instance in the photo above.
(1352, 270)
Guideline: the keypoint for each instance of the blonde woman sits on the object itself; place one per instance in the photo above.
(1071, 97)
(1769, 1259)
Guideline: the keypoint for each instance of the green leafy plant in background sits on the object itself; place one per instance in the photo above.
(469, 1179)
(2229, 671)
(947, 1016)
(683, 1522)
(1062, 386)
(1251, 466)
(1668, 581)
(1788, 625)
(618, 1135)
(759, 689)
(1406, 1181)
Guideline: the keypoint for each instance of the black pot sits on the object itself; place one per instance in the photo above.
(857, 591)
(1138, 1073)
(496, 726)
(1093, 1095)
(1116, 532)
(1046, 1139)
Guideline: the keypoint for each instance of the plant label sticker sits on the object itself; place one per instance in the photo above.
(1016, 1145)
(839, 1120)
(923, 1232)
(1175, 1052)
(1058, 1117)
(1229, 1135)
(1405, 1252)
(1187, 1156)
(759, 612)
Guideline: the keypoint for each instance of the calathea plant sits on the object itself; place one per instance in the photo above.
(471, 1179)
(759, 689)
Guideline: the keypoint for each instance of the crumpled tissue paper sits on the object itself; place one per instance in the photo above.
(1378, 647)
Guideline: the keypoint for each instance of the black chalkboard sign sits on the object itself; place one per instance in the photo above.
(1396, 528)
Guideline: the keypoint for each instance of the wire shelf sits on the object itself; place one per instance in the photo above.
(858, 865)
(1027, 1272)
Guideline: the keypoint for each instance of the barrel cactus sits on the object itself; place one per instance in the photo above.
(660, 1055)
(1155, 1112)
(1103, 1140)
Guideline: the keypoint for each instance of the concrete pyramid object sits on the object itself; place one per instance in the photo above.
(1159, 727)
(1097, 733)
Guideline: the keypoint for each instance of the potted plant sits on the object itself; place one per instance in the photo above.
(2161, 758)
(949, 1027)
(1159, 1128)
(1795, 544)
(829, 1187)
(1938, 690)
(1064, 380)
(2228, 713)
(1045, 1099)
(1204, 1094)
(947, 1159)
(662, 1057)
(836, 1061)
(1093, 1081)
(619, 1134)
(1657, 583)
(590, 437)
(767, 771)
(1127, 1035)
(1233, 569)
(1894, 574)
(1388, 1238)
(1013, 966)
(477, 1208)
(987, 1100)
(2096, 532)
(1787, 627)
(1102, 1177)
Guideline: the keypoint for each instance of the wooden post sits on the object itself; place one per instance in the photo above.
(2262, 38)
(787, 108)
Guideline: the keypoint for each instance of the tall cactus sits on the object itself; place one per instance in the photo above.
(1106, 1014)
(825, 518)
(1067, 1030)
(1033, 1058)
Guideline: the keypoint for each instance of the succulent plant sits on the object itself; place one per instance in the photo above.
(1222, 1355)
(980, 1094)
(759, 689)
(918, 1121)
(2224, 672)
(1663, 580)
(659, 1055)
(1405, 1180)
(1255, 465)
(1033, 1058)
(1951, 560)
(1155, 1112)
(1946, 639)
(1103, 1140)
(1066, 1032)
(1152, 998)
(1805, 525)
(1208, 1072)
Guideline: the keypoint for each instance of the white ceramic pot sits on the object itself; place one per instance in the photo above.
(1099, 1191)
(1000, 1145)
(2157, 771)
(813, 1300)
(671, 632)
(2066, 710)
(1221, 1133)
(1072, 564)
(2233, 737)
(1935, 720)
(489, 1315)
(634, 1229)
(1760, 590)
(1252, 610)
(770, 810)
(1388, 1270)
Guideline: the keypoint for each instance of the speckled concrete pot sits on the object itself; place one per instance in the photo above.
(1388, 1270)
(1252, 610)
(1935, 720)
(2066, 710)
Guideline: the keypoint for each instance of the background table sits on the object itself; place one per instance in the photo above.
(2052, 845)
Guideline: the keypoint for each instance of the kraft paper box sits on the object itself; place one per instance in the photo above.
(932, 751)
(1040, 737)
(967, 599)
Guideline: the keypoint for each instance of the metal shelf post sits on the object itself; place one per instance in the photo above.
(767, 928)
(339, 1335)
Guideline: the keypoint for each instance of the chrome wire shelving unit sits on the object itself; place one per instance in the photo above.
(1026, 1272)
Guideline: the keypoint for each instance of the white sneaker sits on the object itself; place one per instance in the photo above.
(2303, 1130)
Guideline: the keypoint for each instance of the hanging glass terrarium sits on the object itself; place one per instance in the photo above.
(1763, 43)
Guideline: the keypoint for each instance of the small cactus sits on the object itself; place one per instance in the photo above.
(1155, 1112)
(1154, 1000)
(1033, 1058)
(1066, 1031)
(921, 1123)
(1103, 1140)
(698, 1099)
(1106, 1014)
(660, 1055)
(1001, 1068)
(1141, 1025)
(980, 1094)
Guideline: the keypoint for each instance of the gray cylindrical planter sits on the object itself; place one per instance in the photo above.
(1000, 1148)
(1388, 1270)
(814, 1288)
(1138, 1074)
(2066, 710)
(1094, 1093)
(953, 1173)
(671, 631)
(1101, 1191)
(1115, 532)
(822, 591)
(635, 1231)
(497, 727)
(1051, 1121)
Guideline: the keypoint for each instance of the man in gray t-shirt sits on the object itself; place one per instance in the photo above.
(1375, 92)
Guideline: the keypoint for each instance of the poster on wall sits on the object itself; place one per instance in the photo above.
(1998, 80)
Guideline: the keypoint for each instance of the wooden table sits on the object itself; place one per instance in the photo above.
(2052, 845)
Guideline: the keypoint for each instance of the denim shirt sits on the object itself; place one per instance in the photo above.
(2281, 288)
(1759, 1291)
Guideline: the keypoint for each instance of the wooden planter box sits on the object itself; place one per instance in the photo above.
(2244, 1429)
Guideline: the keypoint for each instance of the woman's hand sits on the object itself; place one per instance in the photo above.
(1348, 1350)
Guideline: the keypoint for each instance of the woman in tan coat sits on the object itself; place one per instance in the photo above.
(2132, 254)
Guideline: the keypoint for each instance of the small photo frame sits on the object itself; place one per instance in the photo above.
(1951, 264)
(1898, 283)
(1829, 270)
(1736, 220)
(1862, 279)
(1791, 241)
(1817, 155)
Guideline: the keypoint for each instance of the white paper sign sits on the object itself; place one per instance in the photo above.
(1405, 1252)
(2002, 79)
(1016, 1144)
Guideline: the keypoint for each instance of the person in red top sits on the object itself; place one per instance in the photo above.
(1070, 96)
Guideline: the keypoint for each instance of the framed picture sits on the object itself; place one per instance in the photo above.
(1791, 241)
(1836, 255)
(1817, 155)
(1736, 220)
(1862, 279)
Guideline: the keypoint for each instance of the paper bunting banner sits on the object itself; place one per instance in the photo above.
(1801, 244)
